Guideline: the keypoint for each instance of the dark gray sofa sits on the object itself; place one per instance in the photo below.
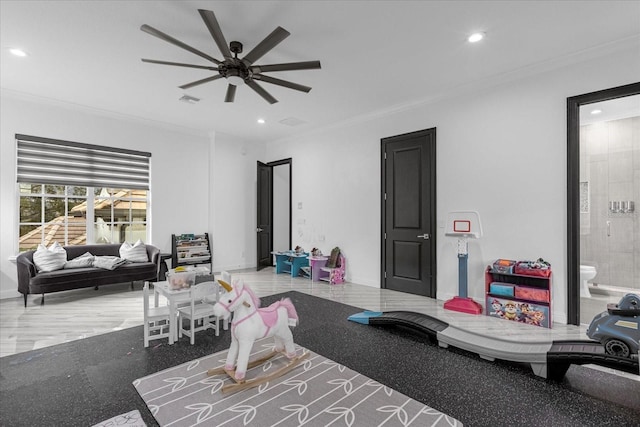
(32, 282)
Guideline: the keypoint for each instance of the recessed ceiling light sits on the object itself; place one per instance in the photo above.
(261, 121)
(18, 52)
(475, 37)
(596, 112)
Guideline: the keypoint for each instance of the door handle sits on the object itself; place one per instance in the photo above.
(258, 230)
(424, 236)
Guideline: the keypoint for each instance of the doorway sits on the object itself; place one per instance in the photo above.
(579, 196)
(274, 205)
(409, 213)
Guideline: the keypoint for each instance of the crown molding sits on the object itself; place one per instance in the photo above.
(52, 102)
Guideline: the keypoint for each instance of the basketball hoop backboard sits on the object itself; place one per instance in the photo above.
(464, 224)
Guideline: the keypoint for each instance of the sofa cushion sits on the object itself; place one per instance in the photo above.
(92, 276)
(134, 253)
(84, 260)
(50, 259)
(95, 250)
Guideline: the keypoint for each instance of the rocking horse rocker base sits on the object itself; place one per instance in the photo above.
(244, 384)
(250, 322)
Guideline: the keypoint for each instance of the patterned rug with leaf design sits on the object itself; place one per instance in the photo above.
(318, 392)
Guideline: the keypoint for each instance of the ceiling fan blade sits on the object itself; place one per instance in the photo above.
(179, 64)
(199, 82)
(266, 45)
(306, 65)
(263, 93)
(159, 34)
(211, 22)
(284, 83)
(231, 93)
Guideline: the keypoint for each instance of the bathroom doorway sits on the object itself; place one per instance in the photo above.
(609, 190)
(604, 199)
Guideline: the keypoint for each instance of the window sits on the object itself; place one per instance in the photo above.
(120, 215)
(48, 213)
(71, 193)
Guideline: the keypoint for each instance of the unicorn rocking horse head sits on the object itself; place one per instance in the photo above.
(250, 322)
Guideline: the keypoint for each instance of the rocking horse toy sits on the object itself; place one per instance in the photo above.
(250, 322)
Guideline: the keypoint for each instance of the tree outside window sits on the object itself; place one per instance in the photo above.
(50, 213)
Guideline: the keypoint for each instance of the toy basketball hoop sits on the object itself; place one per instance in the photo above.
(464, 225)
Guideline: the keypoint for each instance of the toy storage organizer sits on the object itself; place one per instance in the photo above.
(518, 297)
(191, 250)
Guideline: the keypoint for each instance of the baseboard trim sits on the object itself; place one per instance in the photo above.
(363, 281)
(8, 294)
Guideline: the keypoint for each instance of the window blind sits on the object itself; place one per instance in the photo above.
(57, 162)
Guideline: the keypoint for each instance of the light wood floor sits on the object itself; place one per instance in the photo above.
(73, 315)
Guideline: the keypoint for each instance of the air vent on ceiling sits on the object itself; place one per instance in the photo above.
(292, 121)
(189, 99)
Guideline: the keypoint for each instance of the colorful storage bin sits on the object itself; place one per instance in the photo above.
(538, 268)
(505, 289)
(532, 294)
(517, 311)
(503, 266)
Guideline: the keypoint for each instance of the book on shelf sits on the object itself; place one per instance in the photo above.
(191, 254)
(195, 259)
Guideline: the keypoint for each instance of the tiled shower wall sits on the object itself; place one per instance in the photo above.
(610, 171)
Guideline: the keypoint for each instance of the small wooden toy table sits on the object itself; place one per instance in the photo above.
(290, 262)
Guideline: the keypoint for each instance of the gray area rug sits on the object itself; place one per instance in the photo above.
(319, 392)
(130, 419)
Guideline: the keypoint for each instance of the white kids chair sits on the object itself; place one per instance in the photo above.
(200, 311)
(156, 319)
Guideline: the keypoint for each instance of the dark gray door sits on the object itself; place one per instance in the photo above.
(409, 213)
(264, 216)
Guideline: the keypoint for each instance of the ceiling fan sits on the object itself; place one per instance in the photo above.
(237, 71)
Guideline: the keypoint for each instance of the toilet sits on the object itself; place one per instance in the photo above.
(587, 273)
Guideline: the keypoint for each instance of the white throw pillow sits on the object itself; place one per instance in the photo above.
(134, 253)
(50, 259)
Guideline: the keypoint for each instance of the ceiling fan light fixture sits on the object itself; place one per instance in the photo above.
(235, 80)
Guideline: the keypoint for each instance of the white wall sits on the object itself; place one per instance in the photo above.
(336, 179)
(233, 202)
(500, 151)
(179, 170)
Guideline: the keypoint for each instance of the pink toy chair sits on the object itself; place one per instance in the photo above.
(334, 275)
